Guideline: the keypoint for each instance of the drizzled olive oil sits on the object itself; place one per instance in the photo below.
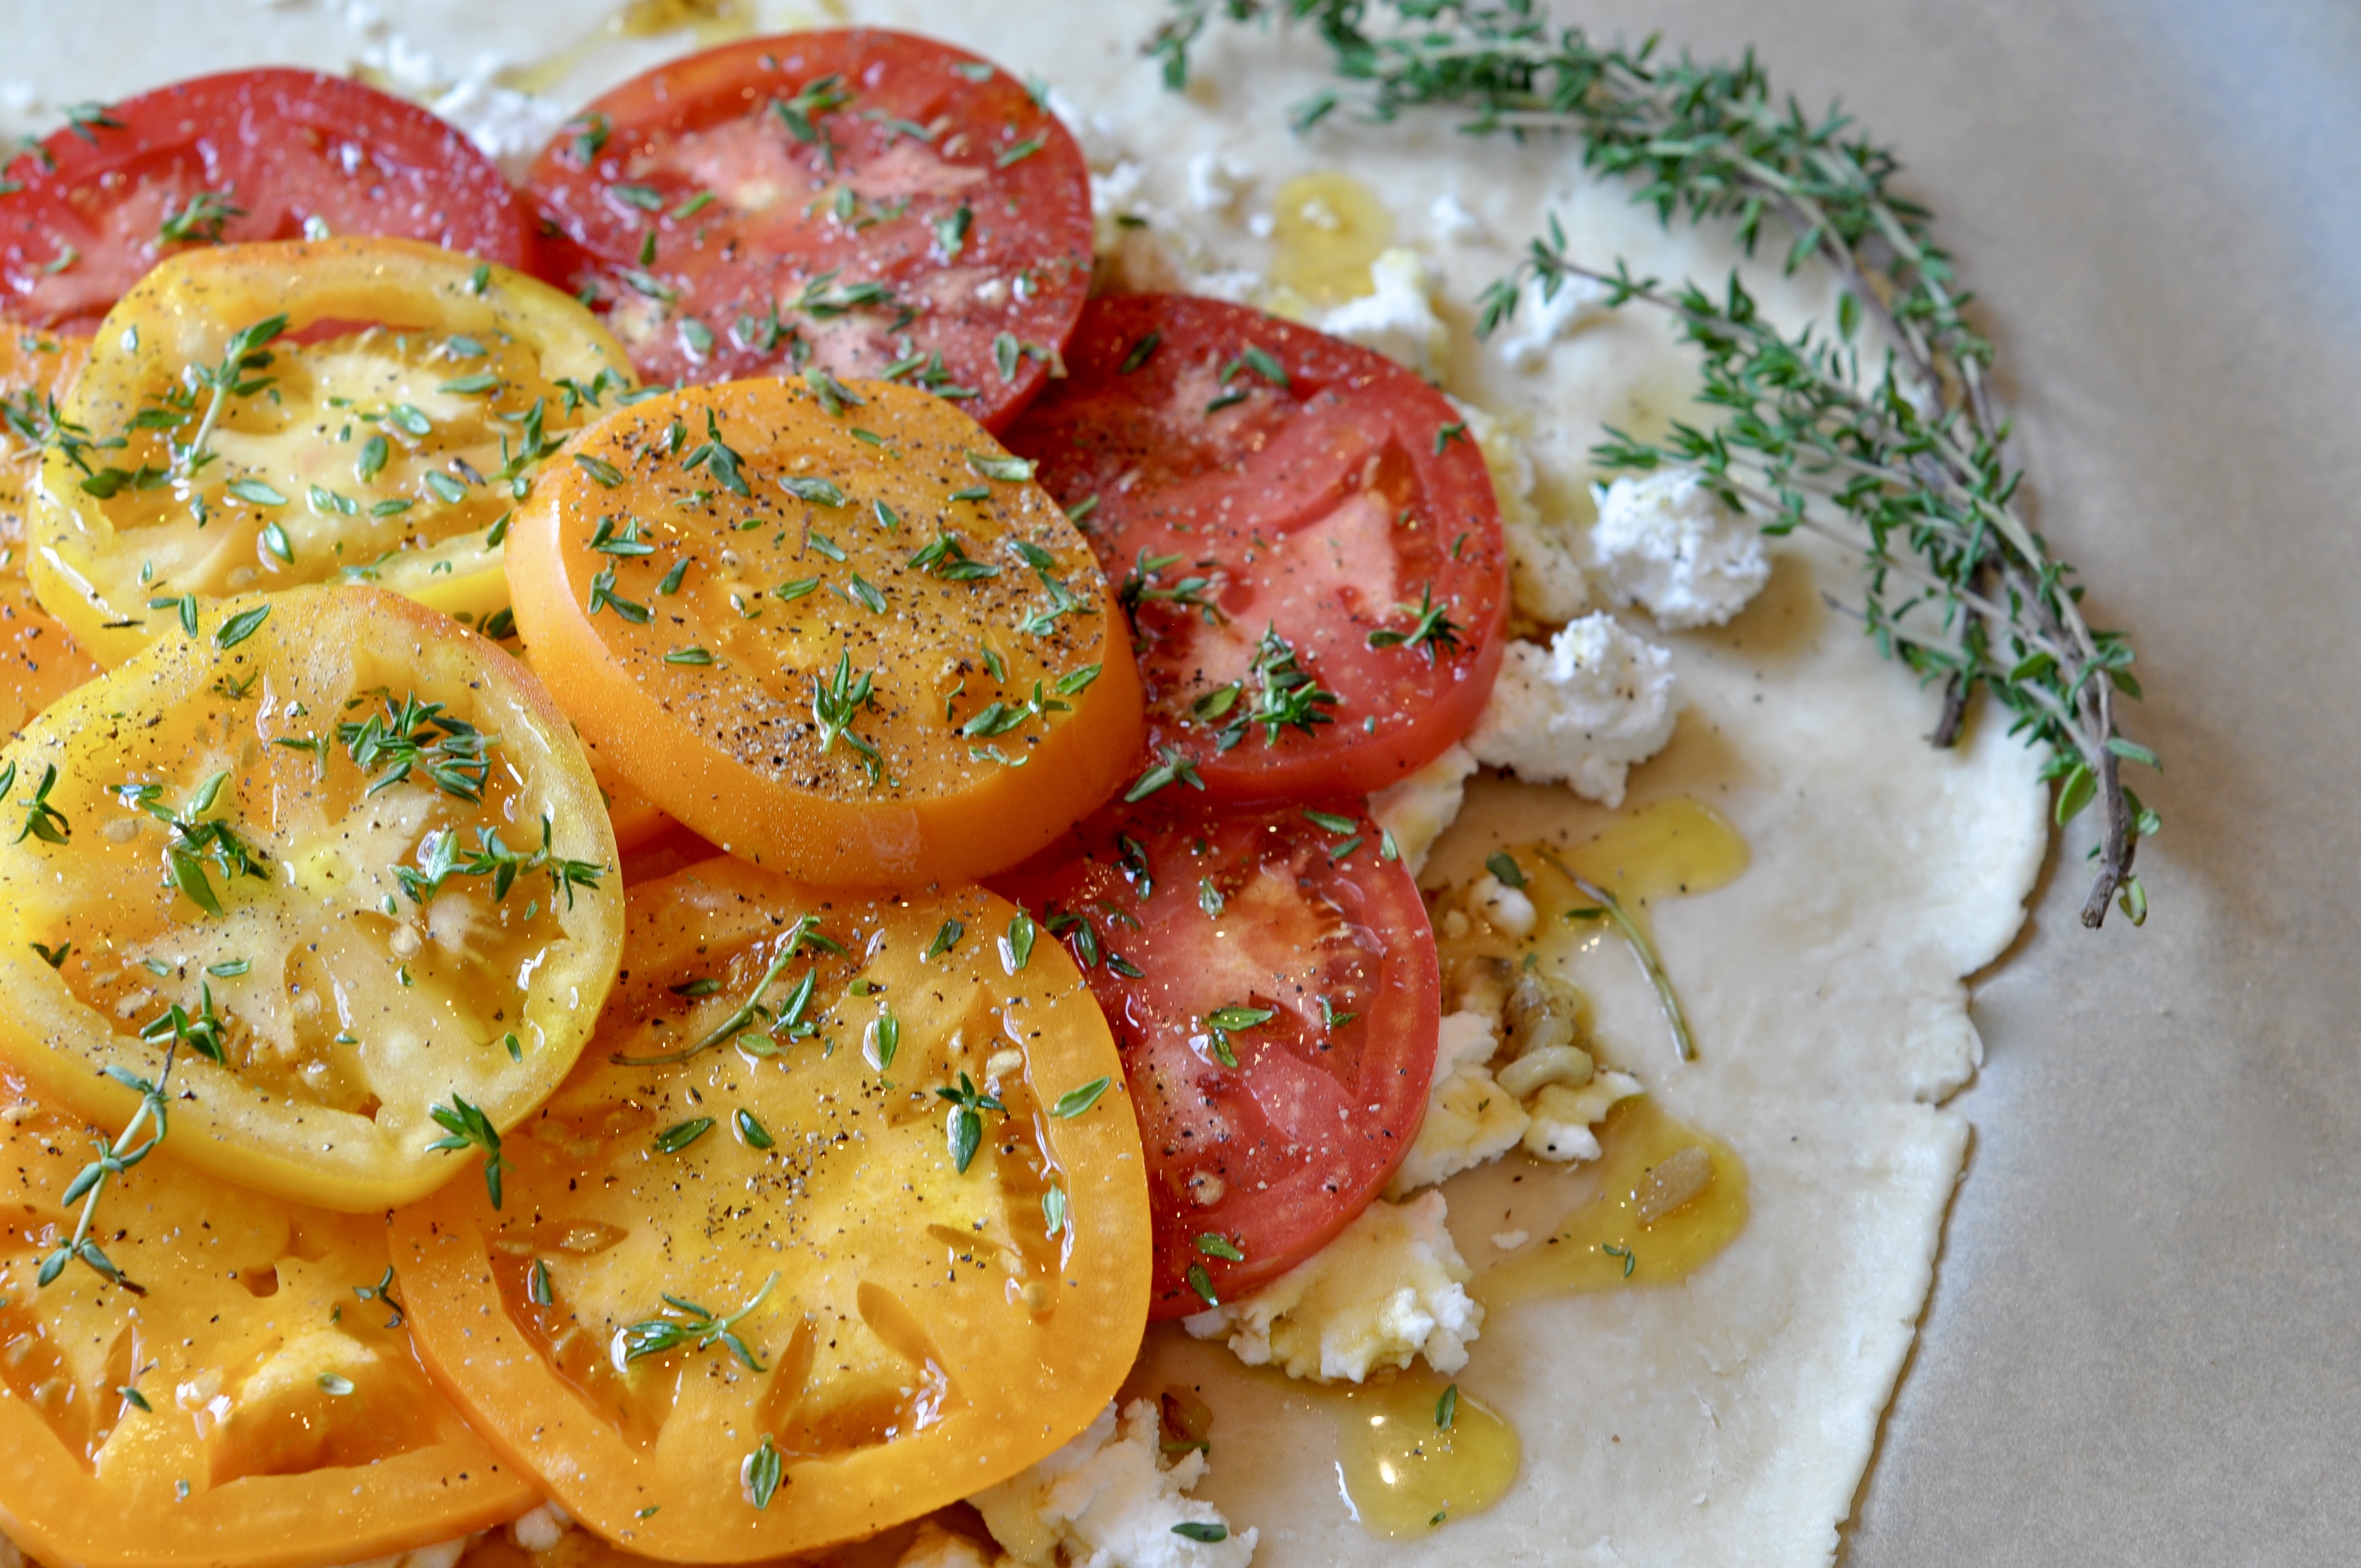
(1325, 230)
(1417, 1453)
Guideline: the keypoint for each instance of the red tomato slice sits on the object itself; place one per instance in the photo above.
(1308, 541)
(1280, 940)
(884, 204)
(247, 154)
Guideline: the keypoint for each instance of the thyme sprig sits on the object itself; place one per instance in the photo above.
(1885, 436)
(114, 1159)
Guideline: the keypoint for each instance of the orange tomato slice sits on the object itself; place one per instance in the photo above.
(255, 1406)
(838, 632)
(841, 1219)
(40, 661)
(346, 854)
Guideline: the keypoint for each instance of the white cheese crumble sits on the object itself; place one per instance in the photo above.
(1545, 575)
(508, 126)
(1109, 1499)
(1581, 711)
(1667, 543)
(1451, 221)
(1216, 181)
(1544, 316)
(1419, 808)
(1470, 1119)
(1389, 1288)
(540, 1529)
(935, 1547)
(1562, 1118)
(1397, 317)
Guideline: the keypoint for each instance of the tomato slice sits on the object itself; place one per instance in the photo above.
(877, 204)
(1309, 544)
(255, 1405)
(209, 451)
(837, 631)
(350, 907)
(841, 1219)
(40, 661)
(248, 154)
(1271, 980)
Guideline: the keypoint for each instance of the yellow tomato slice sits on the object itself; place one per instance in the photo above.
(841, 633)
(260, 416)
(841, 1219)
(350, 905)
(255, 1405)
(40, 661)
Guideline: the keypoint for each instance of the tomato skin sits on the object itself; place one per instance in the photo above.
(235, 1283)
(351, 1000)
(1322, 507)
(686, 127)
(1278, 1154)
(731, 747)
(838, 1217)
(289, 145)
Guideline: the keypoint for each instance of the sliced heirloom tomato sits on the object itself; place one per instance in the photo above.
(1271, 980)
(248, 154)
(833, 629)
(247, 1398)
(342, 853)
(877, 204)
(208, 450)
(40, 661)
(839, 1220)
(1308, 543)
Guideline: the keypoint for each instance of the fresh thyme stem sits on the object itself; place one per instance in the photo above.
(1642, 948)
(1957, 586)
(114, 1159)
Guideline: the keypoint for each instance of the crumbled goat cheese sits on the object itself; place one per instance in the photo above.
(540, 1529)
(935, 1547)
(1109, 1499)
(1418, 810)
(1387, 1289)
(1094, 134)
(1451, 221)
(510, 127)
(1397, 317)
(1561, 1117)
(1581, 711)
(442, 1554)
(1470, 1119)
(1506, 908)
(1545, 575)
(1216, 181)
(1666, 542)
(1544, 316)
(1509, 1241)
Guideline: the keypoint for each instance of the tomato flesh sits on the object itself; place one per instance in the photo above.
(389, 455)
(908, 1324)
(1272, 983)
(286, 1422)
(1244, 477)
(908, 670)
(247, 154)
(265, 843)
(874, 202)
(40, 661)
